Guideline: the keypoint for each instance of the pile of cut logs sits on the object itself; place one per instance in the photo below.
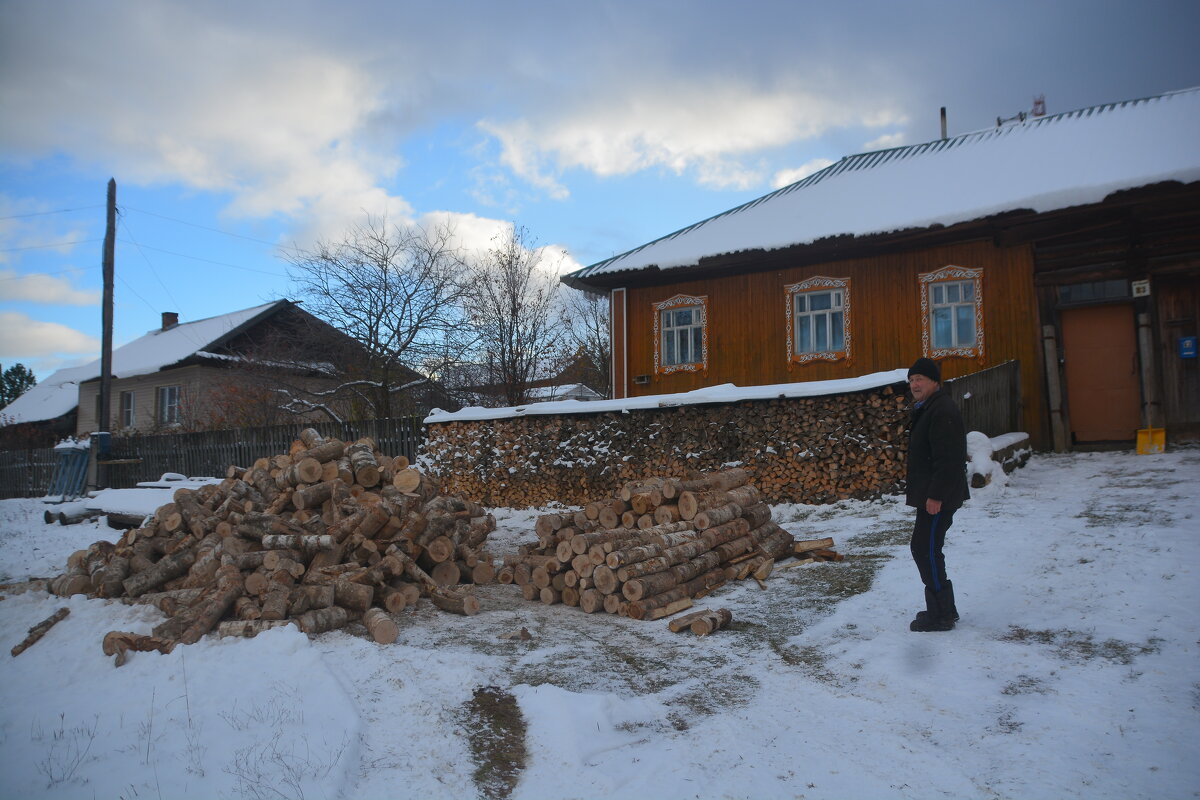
(799, 449)
(328, 534)
(647, 552)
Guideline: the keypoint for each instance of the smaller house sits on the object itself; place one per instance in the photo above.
(570, 391)
(192, 374)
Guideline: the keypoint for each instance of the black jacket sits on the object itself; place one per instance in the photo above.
(937, 454)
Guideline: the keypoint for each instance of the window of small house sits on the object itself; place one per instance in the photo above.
(818, 315)
(168, 405)
(126, 409)
(952, 312)
(681, 334)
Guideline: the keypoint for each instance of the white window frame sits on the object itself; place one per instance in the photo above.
(839, 288)
(169, 398)
(938, 283)
(128, 413)
(698, 360)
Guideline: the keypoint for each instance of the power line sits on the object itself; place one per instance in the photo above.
(204, 260)
(207, 228)
(17, 277)
(45, 246)
(142, 253)
(56, 211)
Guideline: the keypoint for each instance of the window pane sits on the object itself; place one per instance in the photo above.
(669, 348)
(942, 335)
(801, 302)
(965, 325)
(820, 301)
(685, 355)
(939, 294)
(698, 344)
(804, 335)
(683, 316)
(821, 328)
(838, 337)
(952, 292)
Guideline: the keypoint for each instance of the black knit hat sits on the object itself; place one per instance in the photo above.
(927, 367)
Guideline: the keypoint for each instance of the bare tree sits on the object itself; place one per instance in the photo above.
(588, 324)
(515, 312)
(399, 293)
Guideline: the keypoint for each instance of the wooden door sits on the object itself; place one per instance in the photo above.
(1103, 392)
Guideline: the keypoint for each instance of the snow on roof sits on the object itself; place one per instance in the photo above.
(59, 393)
(1043, 164)
(49, 399)
(725, 393)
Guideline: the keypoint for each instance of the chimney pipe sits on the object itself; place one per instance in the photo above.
(943, 122)
(169, 319)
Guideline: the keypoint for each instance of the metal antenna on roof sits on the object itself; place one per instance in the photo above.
(943, 122)
(1039, 106)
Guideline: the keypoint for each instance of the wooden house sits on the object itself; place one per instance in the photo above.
(210, 373)
(1070, 243)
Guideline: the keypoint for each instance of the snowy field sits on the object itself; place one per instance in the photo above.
(1073, 674)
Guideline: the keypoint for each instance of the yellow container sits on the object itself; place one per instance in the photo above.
(1151, 440)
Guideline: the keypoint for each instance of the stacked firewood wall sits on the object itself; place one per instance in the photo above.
(325, 535)
(651, 549)
(804, 450)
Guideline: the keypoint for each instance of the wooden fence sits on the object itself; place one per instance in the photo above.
(27, 473)
(990, 400)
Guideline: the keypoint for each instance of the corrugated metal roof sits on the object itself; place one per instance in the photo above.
(1043, 163)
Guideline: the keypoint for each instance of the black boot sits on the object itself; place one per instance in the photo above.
(945, 600)
(937, 616)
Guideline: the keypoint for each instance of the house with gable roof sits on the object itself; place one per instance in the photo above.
(1069, 243)
(179, 375)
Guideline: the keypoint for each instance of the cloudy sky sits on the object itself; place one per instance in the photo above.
(235, 130)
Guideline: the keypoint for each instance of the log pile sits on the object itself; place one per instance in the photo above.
(648, 551)
(799, 449)
(328, 534)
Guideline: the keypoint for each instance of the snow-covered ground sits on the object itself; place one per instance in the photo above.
(1074, 673)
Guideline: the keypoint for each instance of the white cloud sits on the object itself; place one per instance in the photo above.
(786, 177)
(40, 288)
(476, 235)
(179, 94)
(21, 336)
(680, 126)
(885, 142)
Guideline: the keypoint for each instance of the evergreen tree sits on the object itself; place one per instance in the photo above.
(14, 382)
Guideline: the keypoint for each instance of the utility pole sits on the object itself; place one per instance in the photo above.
(110, 236)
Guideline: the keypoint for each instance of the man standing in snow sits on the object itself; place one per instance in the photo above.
(937, 487)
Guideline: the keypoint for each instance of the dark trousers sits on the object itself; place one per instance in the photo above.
(929, 534)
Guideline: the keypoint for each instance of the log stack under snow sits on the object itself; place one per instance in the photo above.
(647, 552)
(328, 534)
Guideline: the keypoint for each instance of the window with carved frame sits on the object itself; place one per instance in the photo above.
(818, 319)
(952, 312)
(681, 334)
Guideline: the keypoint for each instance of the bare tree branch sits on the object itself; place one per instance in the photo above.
(400, 293)
(515, 310)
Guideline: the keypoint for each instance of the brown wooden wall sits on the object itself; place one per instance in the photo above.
(748, 328)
